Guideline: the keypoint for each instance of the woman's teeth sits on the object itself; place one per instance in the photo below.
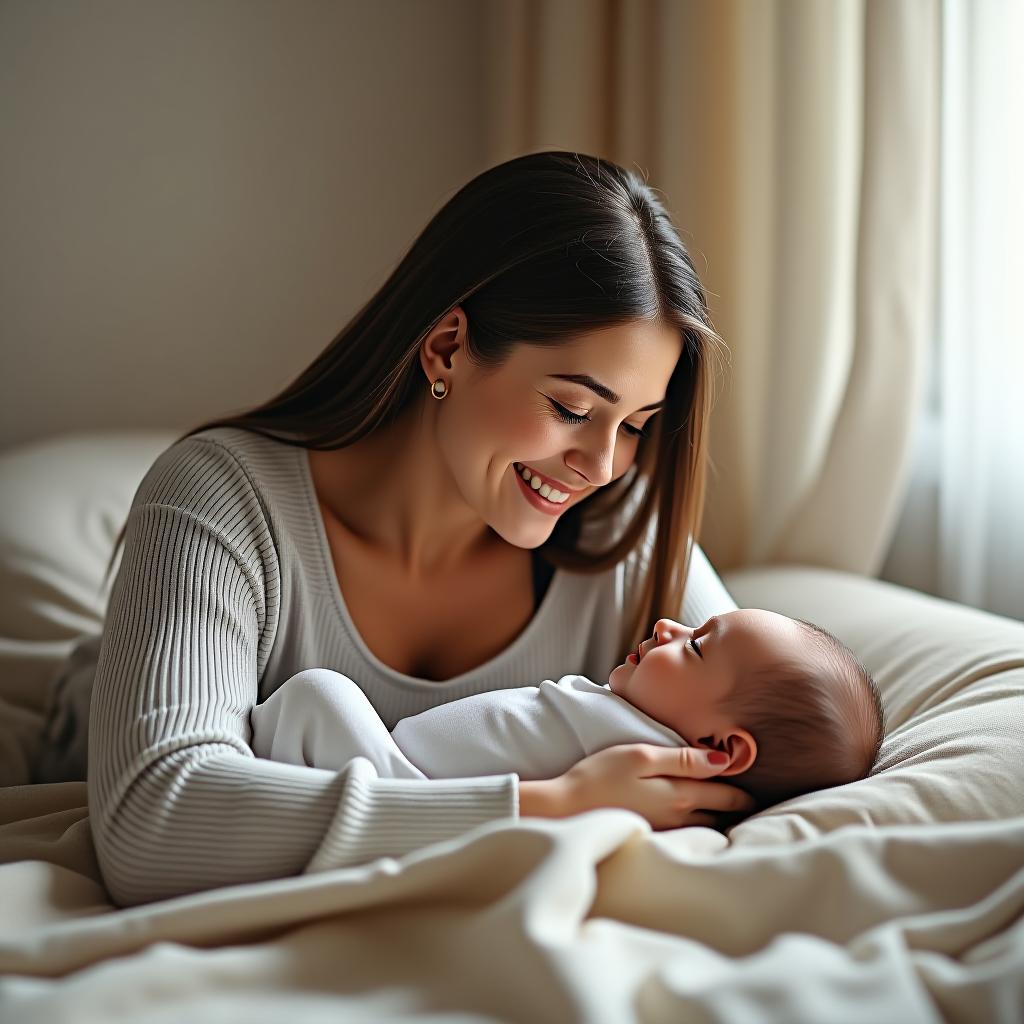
(545, 490)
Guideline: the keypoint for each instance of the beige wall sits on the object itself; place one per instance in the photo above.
(196, 196)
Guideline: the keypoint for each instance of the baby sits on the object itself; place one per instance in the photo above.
(789, 703)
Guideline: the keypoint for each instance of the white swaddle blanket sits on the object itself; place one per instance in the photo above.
(321, 718)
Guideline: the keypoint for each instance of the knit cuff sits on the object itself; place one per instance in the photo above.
(391, 817)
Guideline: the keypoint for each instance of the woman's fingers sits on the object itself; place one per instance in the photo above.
(693, 765)
(689, 762)
(717, 796)
(666, 785)
(701, 818)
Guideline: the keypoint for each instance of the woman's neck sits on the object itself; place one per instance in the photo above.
(392, 492)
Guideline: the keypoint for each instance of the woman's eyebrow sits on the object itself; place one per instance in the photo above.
(599, 389)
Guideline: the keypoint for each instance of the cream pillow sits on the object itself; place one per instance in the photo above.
(952, 679)
(62, 502)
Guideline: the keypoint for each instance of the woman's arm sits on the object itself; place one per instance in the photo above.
(178, 801)
(544, 798)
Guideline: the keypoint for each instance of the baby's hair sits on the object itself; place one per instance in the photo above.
(814, 729)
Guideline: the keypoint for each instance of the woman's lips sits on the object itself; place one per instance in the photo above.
(537, 500)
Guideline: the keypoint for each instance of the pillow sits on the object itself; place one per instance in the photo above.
(62, 502)
(952, 680)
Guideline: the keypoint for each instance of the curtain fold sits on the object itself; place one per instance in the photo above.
(980, 470)
(795, 144)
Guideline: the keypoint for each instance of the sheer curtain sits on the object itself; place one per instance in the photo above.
(980, 343)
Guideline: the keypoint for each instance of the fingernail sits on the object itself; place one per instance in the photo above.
(717, 757)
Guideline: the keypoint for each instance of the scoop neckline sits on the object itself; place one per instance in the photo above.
(417, 682)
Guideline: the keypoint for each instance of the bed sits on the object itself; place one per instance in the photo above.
(898, 898)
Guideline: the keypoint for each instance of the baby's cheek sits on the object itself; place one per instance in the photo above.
(677, 714)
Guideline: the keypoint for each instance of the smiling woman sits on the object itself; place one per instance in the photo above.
(493, 474)
(547, 257)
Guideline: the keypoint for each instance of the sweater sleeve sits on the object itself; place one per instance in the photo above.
(178, 801)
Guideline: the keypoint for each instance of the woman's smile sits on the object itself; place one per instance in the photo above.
(548, 488)
(542, 497)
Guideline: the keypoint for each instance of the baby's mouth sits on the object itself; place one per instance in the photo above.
(635, 657)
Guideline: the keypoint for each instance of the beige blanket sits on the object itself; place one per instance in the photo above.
(593, 918)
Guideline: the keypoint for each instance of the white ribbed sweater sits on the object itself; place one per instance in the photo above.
(226, 589)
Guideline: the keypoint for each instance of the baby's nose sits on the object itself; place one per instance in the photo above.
(668, 626)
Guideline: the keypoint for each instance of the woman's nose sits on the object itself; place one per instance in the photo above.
(596, 472)
(597, 463)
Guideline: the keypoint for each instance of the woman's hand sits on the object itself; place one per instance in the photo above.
(669, 786)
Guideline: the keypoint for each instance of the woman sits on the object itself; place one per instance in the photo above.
(375, 518)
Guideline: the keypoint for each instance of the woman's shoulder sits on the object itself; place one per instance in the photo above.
(217, 460)
(227, 480)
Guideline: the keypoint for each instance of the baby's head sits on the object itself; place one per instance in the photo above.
(789, 703)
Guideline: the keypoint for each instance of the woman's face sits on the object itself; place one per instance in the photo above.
(508, 420)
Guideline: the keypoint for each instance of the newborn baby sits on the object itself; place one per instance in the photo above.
(789, 704)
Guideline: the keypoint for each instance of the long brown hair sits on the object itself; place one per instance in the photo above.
(536, 250)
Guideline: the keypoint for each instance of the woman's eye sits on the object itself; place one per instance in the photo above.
(565, 414)
(696, 649)
(573, 417)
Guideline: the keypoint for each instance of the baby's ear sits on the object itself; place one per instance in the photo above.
(742, 750)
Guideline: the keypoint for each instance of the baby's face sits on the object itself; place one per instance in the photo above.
(681, 674)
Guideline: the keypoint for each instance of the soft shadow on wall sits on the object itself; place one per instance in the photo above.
(196, 197)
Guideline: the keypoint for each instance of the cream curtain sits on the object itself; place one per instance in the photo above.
(796, 146)
(980, 472)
